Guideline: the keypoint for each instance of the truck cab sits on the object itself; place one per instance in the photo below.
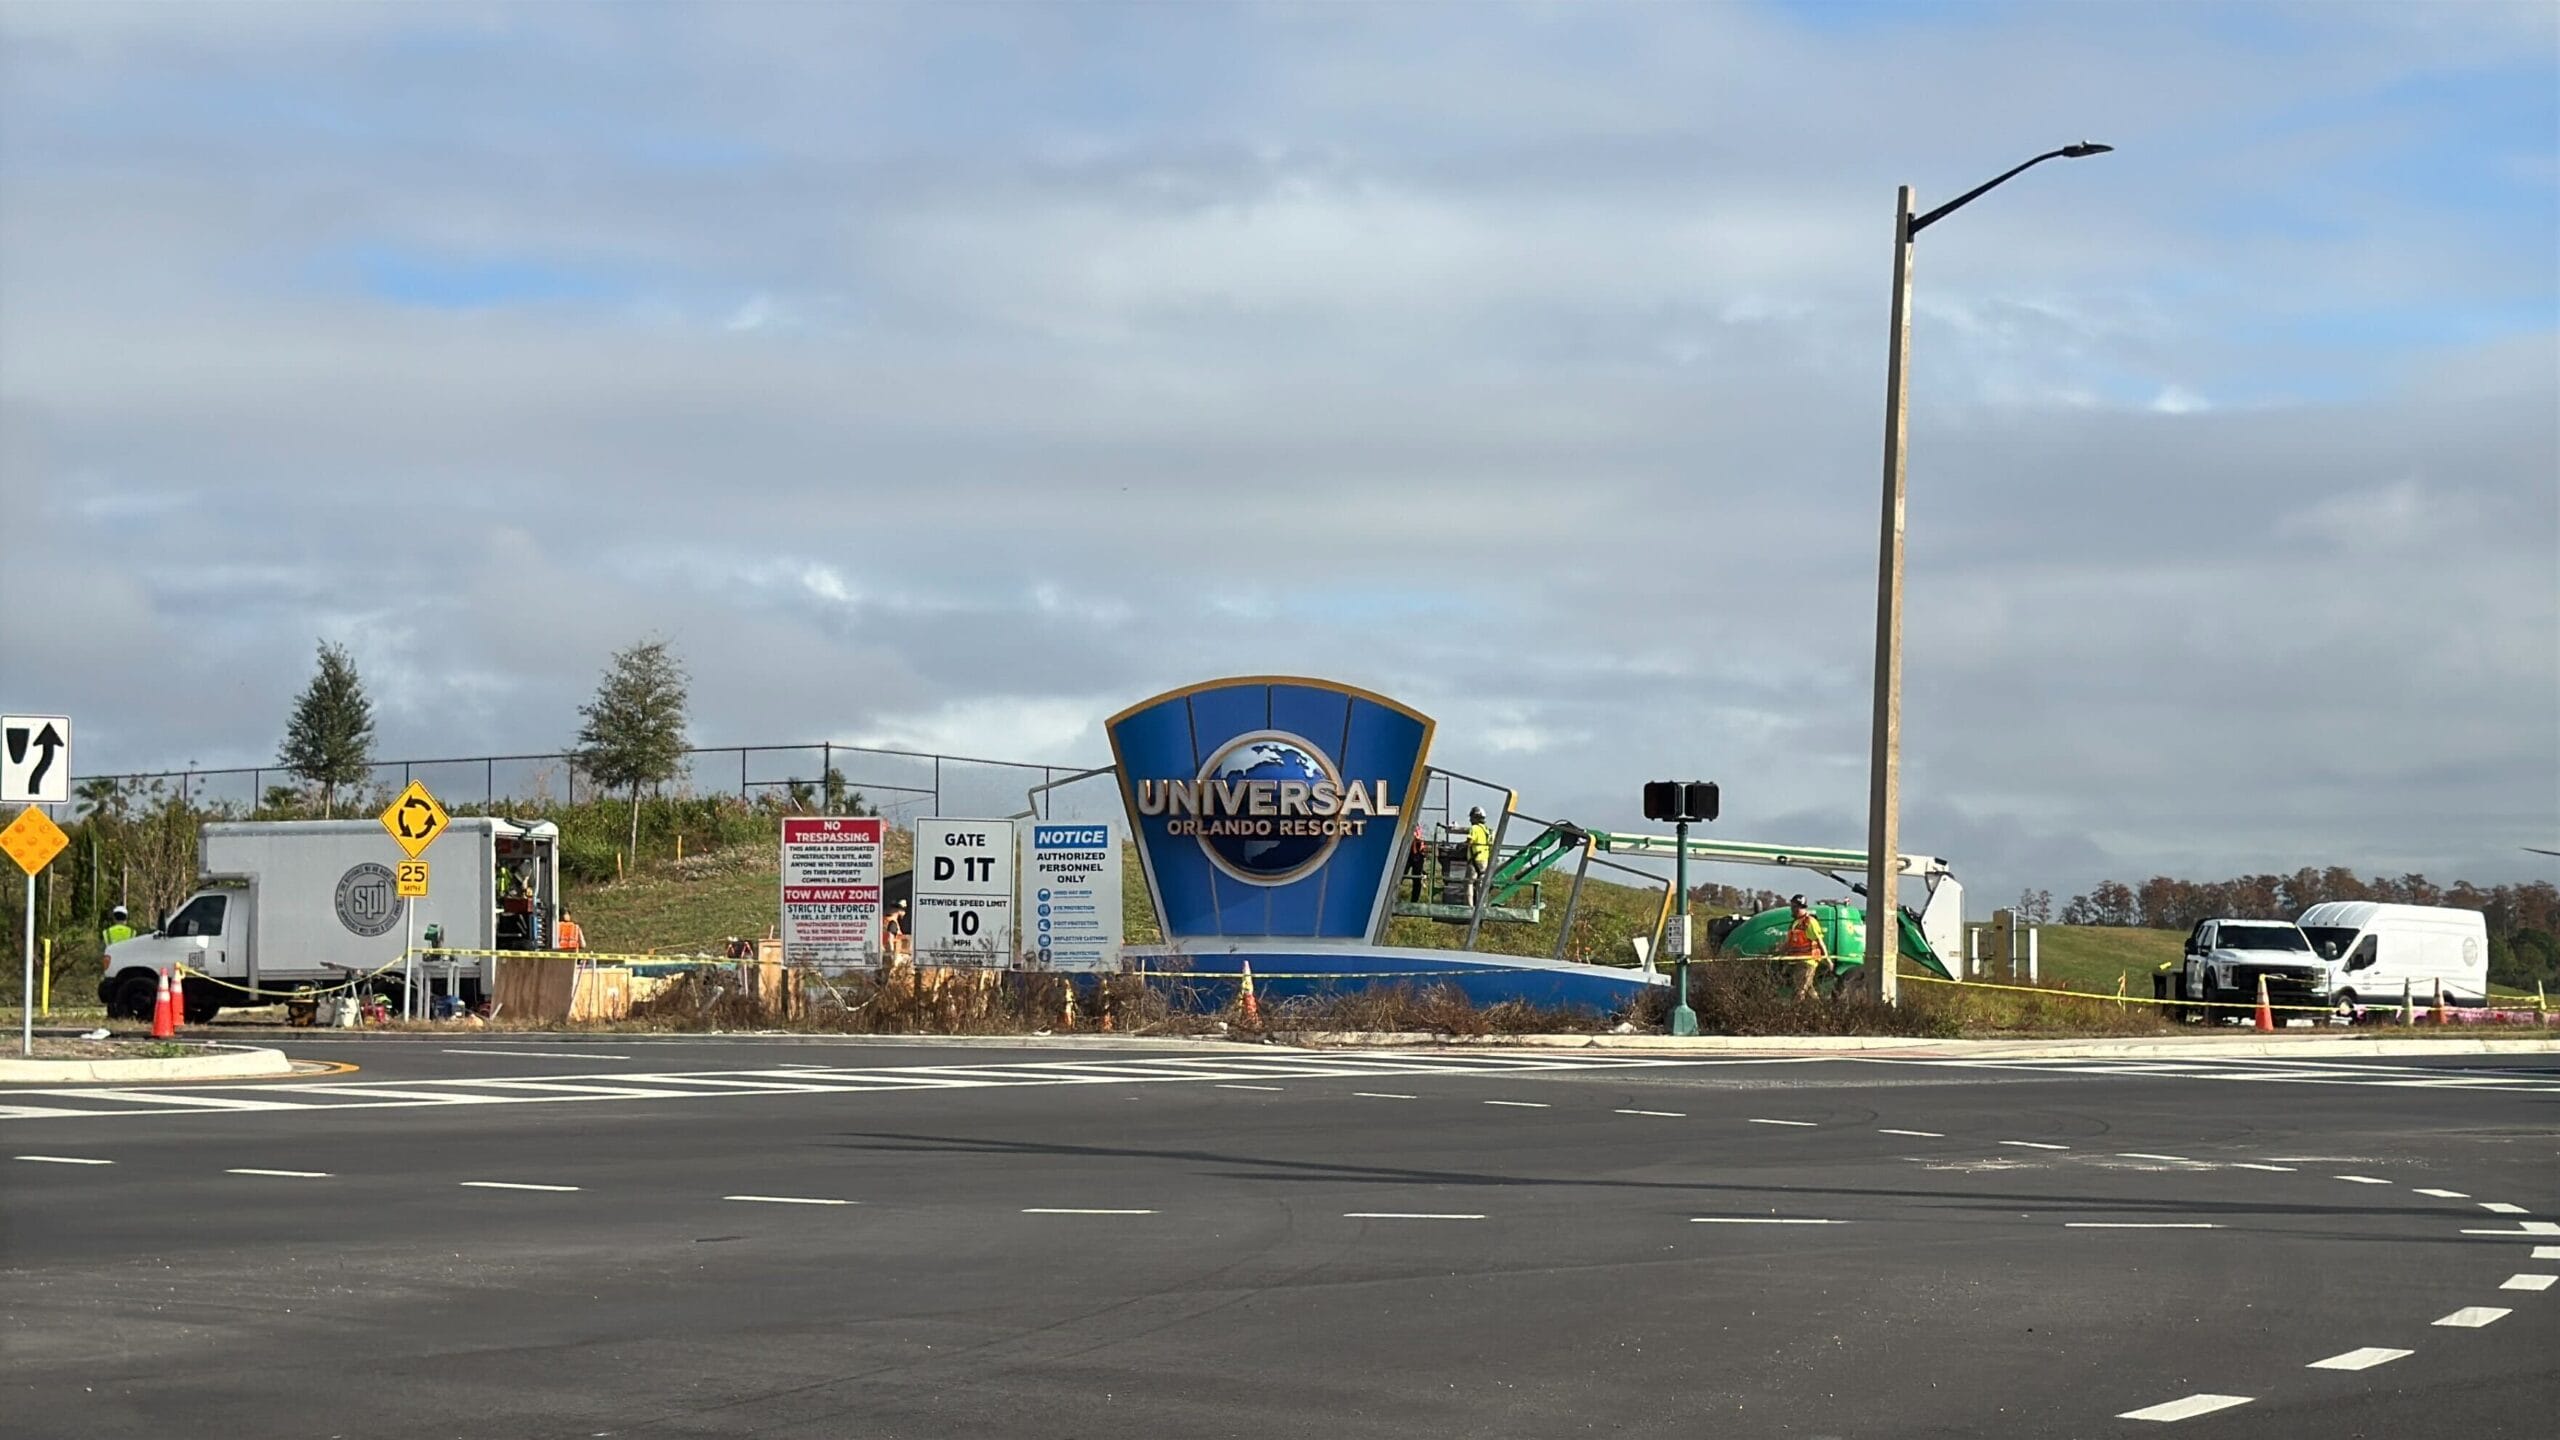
(200, 933)
(2226, 958)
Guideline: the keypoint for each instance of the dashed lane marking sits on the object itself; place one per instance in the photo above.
(1379, 1095)
(2034, 1145)
(1251, 1087)
(1403, 1215)
(2360, 1179)
(2546, 1252)
(2362, 1359)
(1665, 1114)
(284, 1174)
(1076, 1210)
(2187, 1409)
(2501, 1207)
(1757, 1220)
(2472, 1317)
(1919, 1134)
(2523, 1227)
(541, 1054)
(1522, 1104)
(64, 1160)
(514, 1185)
(2529, 1282)
(2139, 1225)
(2446, 1194)
(1799, 1124)
(2251, 1165)
(787, 1199)
(2138, 1155)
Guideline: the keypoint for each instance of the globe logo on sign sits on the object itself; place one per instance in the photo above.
(1261, 850)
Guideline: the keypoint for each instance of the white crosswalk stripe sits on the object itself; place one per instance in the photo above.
(2272, 1072)
(588, 1086)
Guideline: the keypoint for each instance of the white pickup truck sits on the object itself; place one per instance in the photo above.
(2225, 959)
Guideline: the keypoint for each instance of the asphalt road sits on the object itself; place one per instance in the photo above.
(534, 1238)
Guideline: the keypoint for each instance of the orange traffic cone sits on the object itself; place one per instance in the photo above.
(2443, 1016)
(164, 1012)
(1252, 1007)
(2266, 1016)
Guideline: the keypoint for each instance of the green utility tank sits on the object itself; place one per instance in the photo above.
(1844, 934)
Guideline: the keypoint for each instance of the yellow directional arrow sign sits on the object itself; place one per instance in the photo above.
(415, 819)
(33, 840)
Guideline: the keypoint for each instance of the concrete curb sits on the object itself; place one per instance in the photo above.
(2252, 1047)
(224, 1063)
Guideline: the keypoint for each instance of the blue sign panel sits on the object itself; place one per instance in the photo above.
(1270, 805)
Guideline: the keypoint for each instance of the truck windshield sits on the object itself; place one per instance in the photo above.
(2262, 937)
(2326, 937)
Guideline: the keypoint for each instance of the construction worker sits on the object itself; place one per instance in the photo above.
(1417, 855)
(566, 935)
(1805, 946)
(1479, 844)
(116, 929)
(893, 932)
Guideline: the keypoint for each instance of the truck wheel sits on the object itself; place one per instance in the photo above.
(201, 1011)
(136, 995)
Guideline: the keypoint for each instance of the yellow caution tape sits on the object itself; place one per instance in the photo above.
(300, 993)
(2422, 1006)
(617, 957)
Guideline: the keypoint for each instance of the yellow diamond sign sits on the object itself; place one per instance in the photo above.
(415, 819)
(33, 839)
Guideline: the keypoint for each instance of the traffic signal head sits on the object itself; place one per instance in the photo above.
(1678, 800)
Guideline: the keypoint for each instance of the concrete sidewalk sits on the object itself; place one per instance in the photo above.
(2239, 1046)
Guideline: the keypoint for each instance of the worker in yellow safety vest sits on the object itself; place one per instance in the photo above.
(116, 929)
(1805, 945)
(1479, 845)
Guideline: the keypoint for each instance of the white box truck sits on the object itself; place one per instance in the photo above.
(284, 905)
(2374, 953)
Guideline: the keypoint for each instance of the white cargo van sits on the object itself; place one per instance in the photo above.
(2373, 950)
(282, 905)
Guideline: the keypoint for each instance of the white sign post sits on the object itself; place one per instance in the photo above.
(35, 760)
(964, 893)
(1071, 897)
(831, 892)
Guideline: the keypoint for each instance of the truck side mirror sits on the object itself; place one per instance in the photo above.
(2328, 950)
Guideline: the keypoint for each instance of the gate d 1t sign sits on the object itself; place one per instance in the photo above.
(831, 892)
(964, 892)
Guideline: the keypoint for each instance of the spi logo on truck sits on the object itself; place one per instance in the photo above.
(367, 904)
(1269, 805)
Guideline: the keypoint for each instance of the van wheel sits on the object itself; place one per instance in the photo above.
(136, 995)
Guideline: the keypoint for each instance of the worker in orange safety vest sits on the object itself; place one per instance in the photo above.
(1804, 945)
(567, 935)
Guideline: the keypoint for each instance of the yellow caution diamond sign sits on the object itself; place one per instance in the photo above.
(415, 819)
(409, 880)
(33, 839)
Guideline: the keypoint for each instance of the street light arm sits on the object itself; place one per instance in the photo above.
(2074, 152)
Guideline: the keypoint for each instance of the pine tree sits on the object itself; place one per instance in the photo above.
(329, 740)
(634, 730)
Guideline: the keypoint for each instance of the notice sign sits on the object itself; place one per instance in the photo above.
(1071, 896)
(964, 892)
(831, 892)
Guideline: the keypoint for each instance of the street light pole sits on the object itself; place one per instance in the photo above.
(1884, 769)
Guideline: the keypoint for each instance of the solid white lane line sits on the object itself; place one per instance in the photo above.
(1402, 1215)
(1521, 1104)
(1665, 1114)
(1075, 1210)
(166, 1097)
(2360, 1179)
(1250, 1087)
(2187, 1409)
(2446, 1194)
(1379, 1095)
(2546, 1252)
(64, 1160)
(2138, 1155)
(2472, 1317)
(512, 1185)
(2034, 1145)
(542, 1054)
(786, 1199)
(2139, 1225)
(2364, 1359)
(1756, 1220)
(284, 1174)
(2501, 1207)
(2529, 1282)
(1800, 1124)
(2247, 1165)
(2524, 1227)
(1922, 1134)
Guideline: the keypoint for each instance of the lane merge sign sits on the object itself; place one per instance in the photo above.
(35, 760)
(415, 819)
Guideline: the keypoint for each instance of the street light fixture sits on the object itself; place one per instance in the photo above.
(1884, 773)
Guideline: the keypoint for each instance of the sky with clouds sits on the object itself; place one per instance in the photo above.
(950, 376)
